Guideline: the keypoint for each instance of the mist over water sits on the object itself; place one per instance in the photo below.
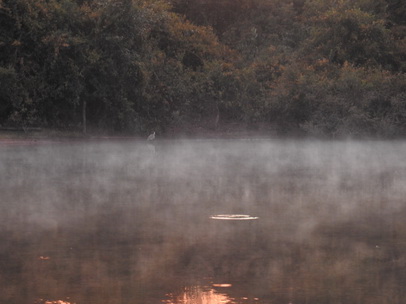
(130, 222)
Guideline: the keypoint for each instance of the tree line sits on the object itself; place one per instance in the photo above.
(318, 67)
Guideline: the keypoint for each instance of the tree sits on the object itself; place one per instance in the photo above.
(350, 31)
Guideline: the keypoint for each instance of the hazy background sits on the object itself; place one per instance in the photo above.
(128, 222)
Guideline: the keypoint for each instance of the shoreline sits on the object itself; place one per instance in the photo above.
(226, 132)
(32, 140)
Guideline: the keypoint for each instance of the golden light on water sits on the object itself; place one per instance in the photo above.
(207, 295)
(42, 301)
(222, 285)
(199, 295)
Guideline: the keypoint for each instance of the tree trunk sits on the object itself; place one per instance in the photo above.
(217, 119)
(84, 116)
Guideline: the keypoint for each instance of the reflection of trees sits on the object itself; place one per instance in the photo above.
(339, 263)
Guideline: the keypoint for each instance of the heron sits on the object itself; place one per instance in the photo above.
(151, 137)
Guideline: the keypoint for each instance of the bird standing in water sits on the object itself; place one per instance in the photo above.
(151, 144)
(151, 137)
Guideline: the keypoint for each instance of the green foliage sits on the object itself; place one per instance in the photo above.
(353, 102)
(9, 99)
(323, 67)
(348, 33)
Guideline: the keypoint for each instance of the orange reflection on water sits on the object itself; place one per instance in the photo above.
(42, 301)
(222, 285)
(199, 295)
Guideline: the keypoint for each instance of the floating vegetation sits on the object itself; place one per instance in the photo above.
(233, 217)
(44, 258)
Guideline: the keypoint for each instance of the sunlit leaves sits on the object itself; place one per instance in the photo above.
(350, 34)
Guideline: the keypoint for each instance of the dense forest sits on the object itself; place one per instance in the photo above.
(316, 67)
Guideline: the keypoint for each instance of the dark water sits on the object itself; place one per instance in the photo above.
(126, 222)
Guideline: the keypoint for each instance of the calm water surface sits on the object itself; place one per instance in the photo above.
(203, 222)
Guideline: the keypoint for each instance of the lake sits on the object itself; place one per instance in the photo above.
(203, 222)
